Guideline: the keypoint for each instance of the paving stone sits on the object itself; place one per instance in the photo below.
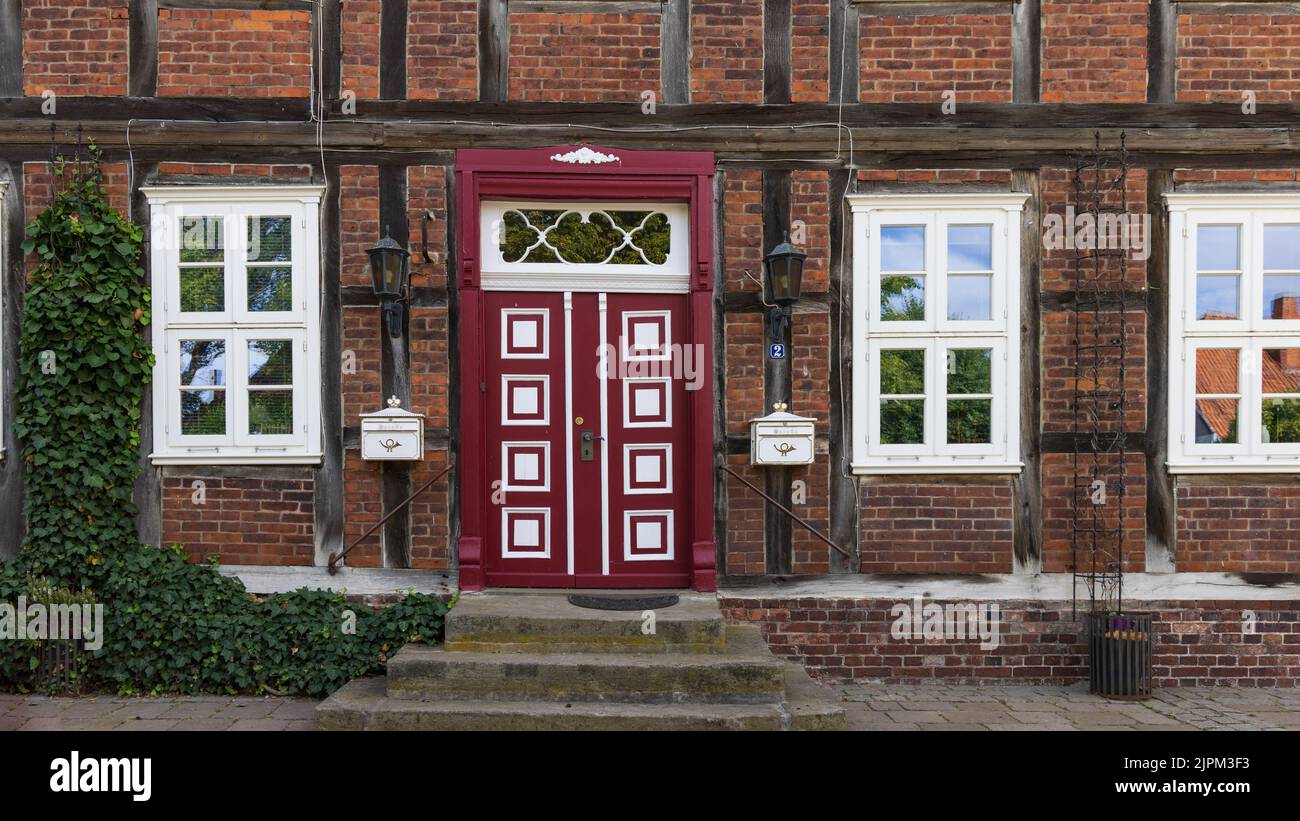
(272, 724)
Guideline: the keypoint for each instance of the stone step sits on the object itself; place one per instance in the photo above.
(513, 622)
(363, 704)
(746, 673)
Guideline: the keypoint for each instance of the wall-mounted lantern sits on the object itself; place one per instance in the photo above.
(783, 275)
(389, 269)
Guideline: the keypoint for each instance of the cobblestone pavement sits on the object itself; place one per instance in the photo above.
(185, 713)
(870, 707)
(899, 707)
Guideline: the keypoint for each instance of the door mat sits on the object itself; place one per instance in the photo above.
(623, 602)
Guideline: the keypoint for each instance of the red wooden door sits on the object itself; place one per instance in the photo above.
(587, 430)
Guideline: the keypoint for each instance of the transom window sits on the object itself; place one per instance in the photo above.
(936, 283)
(1235, 332)
(236, 278)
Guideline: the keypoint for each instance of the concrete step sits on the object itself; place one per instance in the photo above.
(514, 622)
(364, 705)
(746, 673)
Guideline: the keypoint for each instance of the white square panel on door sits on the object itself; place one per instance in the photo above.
(526, 532)
(524, 333)
(526, 466)
(647, 336)
(647, 535)
(647, 469)
(525, 399)
(647, 402)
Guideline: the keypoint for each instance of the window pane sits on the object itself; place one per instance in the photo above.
(970, 297)
(203, 288)
(270, 413)
(270, 288)
(1282, 296)
(970, 421)
(1216, 421)
(970, 247)
(203, 362)
(1216, 370)
(902, 248)
(202, 239)
(1217, 248)
(902, 372)
(1216, 297)
(902, 421)
(270, 239)
(1280, 369)
(1281, 421)
(203, 413)
(270, 362)
(1282, 247)
(970, 370)
(902, 299)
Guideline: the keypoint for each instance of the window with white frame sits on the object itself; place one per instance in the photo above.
(1234, 339)
(236, 324)
(936, 284)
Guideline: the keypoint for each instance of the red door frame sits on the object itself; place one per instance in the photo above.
(539, 173)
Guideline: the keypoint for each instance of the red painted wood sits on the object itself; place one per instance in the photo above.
(532, 174)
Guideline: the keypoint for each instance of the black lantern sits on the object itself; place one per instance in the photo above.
(783, 275)
(389, 266)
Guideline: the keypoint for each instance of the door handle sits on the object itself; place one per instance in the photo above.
(587, 449)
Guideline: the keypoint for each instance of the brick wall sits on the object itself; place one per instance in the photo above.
(1246, 525)
(1196, 643)
(1222, 55)
(261, 518)
(943, 524)
(727, 51)
(583, 57)
(914, 59)
(442, 50)
(38, 186)
(1094, 52)
(234, 53)
(360, 21)
(809, 51)
(75, 47)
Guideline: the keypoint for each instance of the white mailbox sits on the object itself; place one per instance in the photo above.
(781, 438)
(392, 433)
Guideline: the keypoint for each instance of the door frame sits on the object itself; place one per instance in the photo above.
(568, 172)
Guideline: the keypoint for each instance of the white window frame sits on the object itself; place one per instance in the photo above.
(936, 334)
(1251, 334)
(237, 326)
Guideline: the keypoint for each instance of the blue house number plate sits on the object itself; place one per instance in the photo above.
(776, 351)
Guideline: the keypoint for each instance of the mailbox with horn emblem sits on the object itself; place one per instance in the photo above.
(392, 433)
(781, 438)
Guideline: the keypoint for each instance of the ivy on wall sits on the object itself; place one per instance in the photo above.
(169, 626)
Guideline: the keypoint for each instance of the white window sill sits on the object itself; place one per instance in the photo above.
(235, 458)
(1224, 466)
(947, 468)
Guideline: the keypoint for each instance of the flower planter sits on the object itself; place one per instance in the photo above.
(1119, 655)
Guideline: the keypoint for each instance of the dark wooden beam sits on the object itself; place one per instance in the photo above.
(1161, 509)
(392, 50)
(1026, 51)
(329, 57)
(1028, 485)
(777, 378)
(493, 50)
(142, 31)
(844, 47)
(1162, 52)
(147, 493)
(12, 279)
(1109, 300)
(11, 50)
(329, 495)
(395, 371)
(776, 51)
(453, 365)
(675, 52)
(844, 498)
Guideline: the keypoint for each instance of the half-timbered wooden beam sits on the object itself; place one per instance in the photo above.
(1028, 484)
(12, 276)
(843, 488)
(392, 50)
(142, 56)
(395, 370)
(675, 52)
(778, 534)
(11, 50)
(1026, 51)
(328, 484)
(147, 493)
(493, 50)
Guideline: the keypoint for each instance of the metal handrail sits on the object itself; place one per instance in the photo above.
(335, 558)
(814, 531)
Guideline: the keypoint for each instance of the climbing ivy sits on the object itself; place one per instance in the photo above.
(170, 625)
